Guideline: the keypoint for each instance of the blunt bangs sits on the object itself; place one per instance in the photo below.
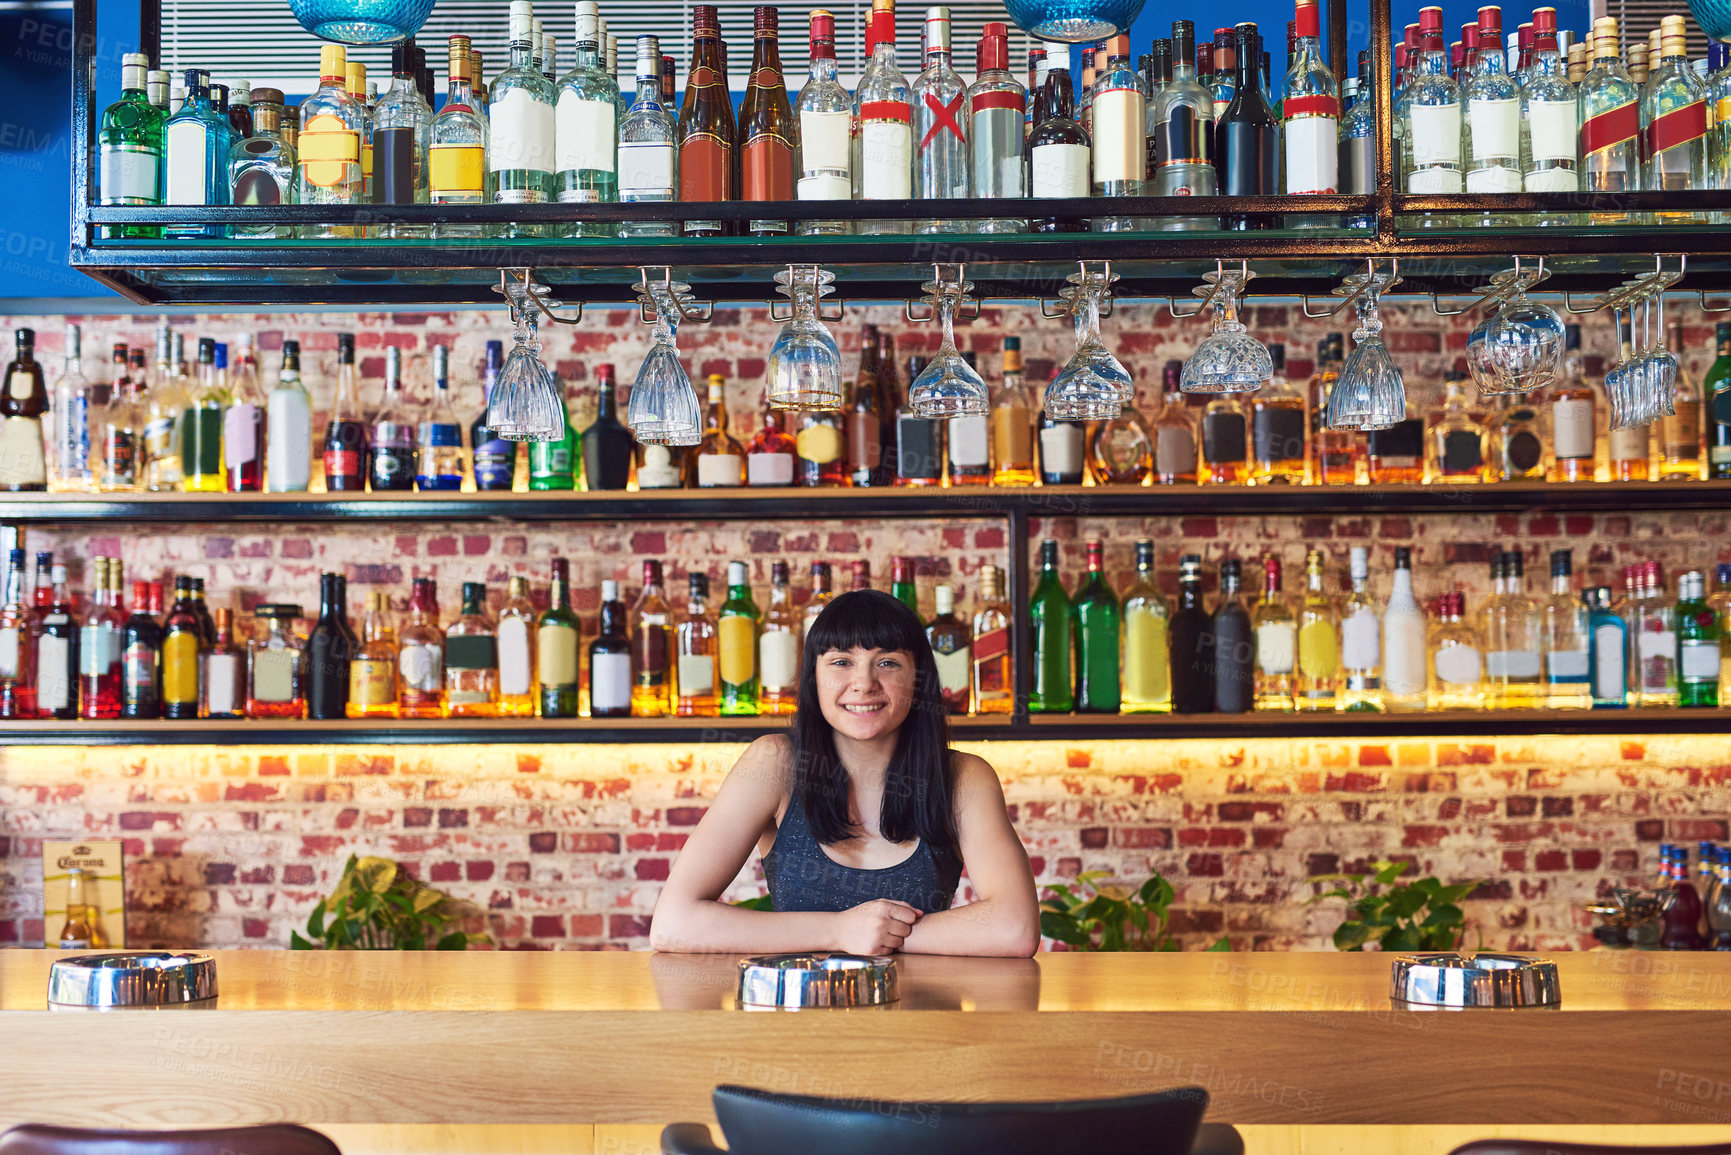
(866, 620)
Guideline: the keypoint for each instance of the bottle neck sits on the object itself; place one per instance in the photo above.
(605, 403)
(459, 93)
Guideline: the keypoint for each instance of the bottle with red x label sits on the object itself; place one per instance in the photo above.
(940, 125)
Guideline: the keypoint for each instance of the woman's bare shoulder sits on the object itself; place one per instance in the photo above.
(973, 773)
(766, 765)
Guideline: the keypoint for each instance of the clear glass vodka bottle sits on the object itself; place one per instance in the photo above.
(333, 124)
(1610, 116)
(195, 150)
(1184, 129)
(1357, 165)
(457, 145)
(823, 118)
(646, 144)
(1310, 111)
(1360, 641)
(261, 168)
(520, 126)
(131, 149)
(1120, 151)
(441, 462)
(1674, 120)
(995, 106)
(586, 128)
(883, 154)
(72, 419)
(1430, 114)
(940, 125)
(1491, 119)
(1550, 120)
(402, 129)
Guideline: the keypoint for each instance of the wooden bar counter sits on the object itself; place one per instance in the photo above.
(615, 1038)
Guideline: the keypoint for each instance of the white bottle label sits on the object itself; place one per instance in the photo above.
(222, 678)
(696, 675)
(1059, 170)
(610, 681)
(1275, 647)
(1427, 181)
(1652, 644)
(584, 134)
(1572, 424)
(1553, 127)
(1403, 672)
(9, 639)
(1610, 677)
(769, 469)
(1061, 448)
(824, 188)
(1554, 180)
(184, 176)
(1312, 154)
(1513, 664)
(645, 170)
(1496, 126)
(1458, 665)
(1567, 665)
(1494, 180)
(886, 160)
(778, 659)
(720, 469)
(1699, 661)
(824, 140)
(130, 176)
(520, 133)
(239, 435)
(1119, 154)
(1436, 135)
(53, 673)
(421, 665)
(955, 670)
(1360, 640)
(1630, 443)
(657, 470)
(515, 665)
(288, 438)
(969, 442)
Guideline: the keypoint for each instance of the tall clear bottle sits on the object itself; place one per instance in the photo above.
(883, 153)
(1567, 640)
(823, 119)
(118, 456)
(441, 462)
(1318, 639)
(1360, 687)
(1184, 133)
(586, 127)
(1276, 642)
(1550, 120)
(520, 125)
(1310, 111)
(1120, 150)
(243, 423)
(1357, 165)
(1514, 642)
(333, 125)
(940, 125)
(995, 109)
(402, 133)
(288, 427)
(71, 404)
(1430, 114)
(201, 424)
(1456, 657)
(262, 167)
(1147, 679)
(1610, 115)
(131, 149)
(648, 168)
(1674, 121)
(457, 144)
(1013, 424)
(1679, 457)
(1491, 119)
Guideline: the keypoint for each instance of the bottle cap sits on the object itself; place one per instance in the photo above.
(1430, 20)
(1562, 563)
(822, 34)
(945, 599)
(1271, 572)
(937, 29)
(1402, 557)
(994, 51)
(522, 21)
(1490, 21)
(698, 584)
(331, 65)
(651, 573)
(706, 20)
(345, 348)
(778, 572)
(588, 23)
(736, 573)
(609, 591)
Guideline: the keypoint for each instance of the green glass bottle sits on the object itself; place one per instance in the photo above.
(1717, 389)
(736, 631)
(1050, 618)
(557, 632)
(553, 464)
(1095, 613)
(1697, 644)
(902, 583)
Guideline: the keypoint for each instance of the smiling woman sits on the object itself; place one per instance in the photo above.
(863, 814)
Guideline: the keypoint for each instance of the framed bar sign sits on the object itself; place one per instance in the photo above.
(83, 895)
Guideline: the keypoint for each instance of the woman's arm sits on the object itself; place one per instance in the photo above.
(1005, 919)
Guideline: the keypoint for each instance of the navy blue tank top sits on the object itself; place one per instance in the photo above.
(802, 877)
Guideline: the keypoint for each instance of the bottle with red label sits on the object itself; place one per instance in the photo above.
(1674, 120)
(940, 125)
(883, 145)
(766, 126)
(996, 104)
(346, 435)
(706, 128)
(1310, 106)
(1610, 122)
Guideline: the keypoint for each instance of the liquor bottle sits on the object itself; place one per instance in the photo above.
(1121, 448)
(1395, 456)
(1698, 637)
(288, 427)
(1319, 642)
(201, 610)
(391, 443)
(1233, 655)
(586, 121)
(421, 656)
(822, 593)
(57, 636)
(736, 631)
(99, 661)
(869, 420)
(182, 643)
(1191, 643)
(610, 659)
(130, 146)
(457, 143)
(1276, 631)
(117, 428)
(196, 144)
(23, 465)
(650, 165)
(651, 648)
(372, 671)
(996, 101)
(705, 133)
(402, 126)
(883, 142)
(1356, 164)
(166, 399)
(902, 586)
(557, 637)
(472, 659)
(994, 673)
(1224, 74)
(200, 425)
(1575, 418)
(516, 633)
(1310, 112)
(1429, 110)
(1183, 133)
(520, 123)
(439, 458)
(1550, 120)
(1455, 442)
(1037, 66)
(330, 647)
(345, 444)
(607, 442)
(1360, 687)
(1720, 603)
(1680, 431)
(919, 450)
(333, 131)
(778, 647)
(1247, 132)
(1097, 639)
(1653, 626)
(263, 166)
(766, 126)
(1277, 428)
(495, 458)
(697, 659)
(1609, 101)
(553, 465)
(222, 673)
(770, 457)
(1013, 422)
(1174, 433)
(968, 444)
(71, 404)
(1119, 129)
(364, 95)
(952, 649)
(1674, 120)
(1059, 151)
(1062, 456)
(1567, 640)
(1225, 448)
(1338, 455)
(822, 123)
(1514, 641)
(140, 653)
(940, 123)
(1682, 916)
(1491, 146)
(1051, 620)
(1456, 669)
(1403, 641)
(1147, 680)
(820, 450)
(1716, 389)
(719, 459)
(1607, 650)
(243, 424)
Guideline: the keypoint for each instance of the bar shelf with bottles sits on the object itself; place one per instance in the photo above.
(588, 184)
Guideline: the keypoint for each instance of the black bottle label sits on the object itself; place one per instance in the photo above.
(1358, 165)
(1222, 437)
(391, 469)
(1184, 138)
(1525, 451)
(1234, 662)
(394, 166)
(1462, 451)
(1278, 434)
(1249, 158)
(1403, 439)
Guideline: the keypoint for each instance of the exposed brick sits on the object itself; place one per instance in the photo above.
(544, 842)
(685, 815)
(547, 926)
(219, 873)
(445, 872)
(1095, 838)
(417, 816)
(653, 869)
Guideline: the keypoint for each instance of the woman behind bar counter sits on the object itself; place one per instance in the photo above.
(863, 814)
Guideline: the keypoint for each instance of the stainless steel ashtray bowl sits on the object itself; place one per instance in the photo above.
(817, 980)
(133, 979)
(1447, 979)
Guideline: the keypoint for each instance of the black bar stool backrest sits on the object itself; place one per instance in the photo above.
(1544, 1147)
(766, 1123)
(274, 1139)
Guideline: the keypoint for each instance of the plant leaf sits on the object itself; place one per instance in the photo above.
(1387, 872)
(456, 940)
(1221, 945)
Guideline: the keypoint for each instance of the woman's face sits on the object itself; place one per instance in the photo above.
(865, 694)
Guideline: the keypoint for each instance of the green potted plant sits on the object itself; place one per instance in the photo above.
(1095, 917)
(377, 906)
(1397, 916)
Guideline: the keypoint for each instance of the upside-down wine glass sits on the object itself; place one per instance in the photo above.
(1229, 360)
(525, 404)
(948, 387)
(1369, 393)
(663, 409)
(804, 368)
(1092, 385)
(1524, 344)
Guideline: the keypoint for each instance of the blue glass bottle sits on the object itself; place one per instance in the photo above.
(196, 144)
(495, 458)
(1608, 651)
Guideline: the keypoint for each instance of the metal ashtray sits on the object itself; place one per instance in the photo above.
(817, 980)
(134, 979)
(1447, 979)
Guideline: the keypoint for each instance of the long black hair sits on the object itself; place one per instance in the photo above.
(919, 789)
